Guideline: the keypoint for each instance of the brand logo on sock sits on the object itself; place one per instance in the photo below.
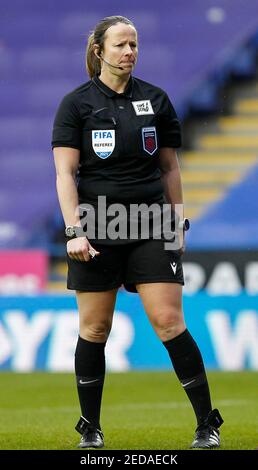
(87, 381)
(173, 266)
(188, 383)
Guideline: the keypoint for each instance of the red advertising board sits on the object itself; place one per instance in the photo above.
(23, 272)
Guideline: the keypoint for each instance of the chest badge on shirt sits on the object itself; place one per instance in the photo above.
(142, 107)
(149, 139)
(103, 142)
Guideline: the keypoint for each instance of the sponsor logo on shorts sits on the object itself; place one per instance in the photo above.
(173, 267)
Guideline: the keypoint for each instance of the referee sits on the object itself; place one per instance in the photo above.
(115, 140)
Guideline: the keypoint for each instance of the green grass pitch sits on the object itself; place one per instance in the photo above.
(140, 410)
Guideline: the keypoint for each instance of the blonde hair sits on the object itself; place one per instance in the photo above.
(93, 65)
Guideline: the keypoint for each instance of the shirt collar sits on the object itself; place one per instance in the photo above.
(128, 93)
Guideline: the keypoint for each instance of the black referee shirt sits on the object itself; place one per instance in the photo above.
(119, 136)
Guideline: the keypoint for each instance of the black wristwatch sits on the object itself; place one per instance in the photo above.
(72, 231)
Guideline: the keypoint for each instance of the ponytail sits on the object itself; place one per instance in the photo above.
(92, 62)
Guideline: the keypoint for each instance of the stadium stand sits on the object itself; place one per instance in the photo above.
(224, 151)
(191, 52)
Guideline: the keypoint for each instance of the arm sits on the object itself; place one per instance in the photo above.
(66, 163)
(170, 176)
(171, 180)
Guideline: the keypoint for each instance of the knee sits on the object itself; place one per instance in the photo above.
(169, 323)
(96, 332)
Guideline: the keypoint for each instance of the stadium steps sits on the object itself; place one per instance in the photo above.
(222, 156)
(57, 287)
(238, 124)
(212, 159)
(210, 177)
(57, 280)
(247, 106)
(231, 142)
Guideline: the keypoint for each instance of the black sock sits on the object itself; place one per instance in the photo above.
(90, 374)
(188, 364)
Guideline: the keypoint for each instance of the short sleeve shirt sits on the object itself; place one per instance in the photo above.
(119, 136)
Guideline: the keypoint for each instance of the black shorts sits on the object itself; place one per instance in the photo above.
(141, 262)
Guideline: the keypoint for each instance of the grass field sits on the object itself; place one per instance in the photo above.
(141, 410)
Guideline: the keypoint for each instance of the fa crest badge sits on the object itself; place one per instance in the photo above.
(149, 139)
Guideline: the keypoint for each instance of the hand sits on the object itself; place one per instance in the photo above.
(80, 248)
(186, 226)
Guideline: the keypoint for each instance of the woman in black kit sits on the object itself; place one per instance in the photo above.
(115, 139)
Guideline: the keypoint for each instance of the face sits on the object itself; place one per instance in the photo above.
(120, 47)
